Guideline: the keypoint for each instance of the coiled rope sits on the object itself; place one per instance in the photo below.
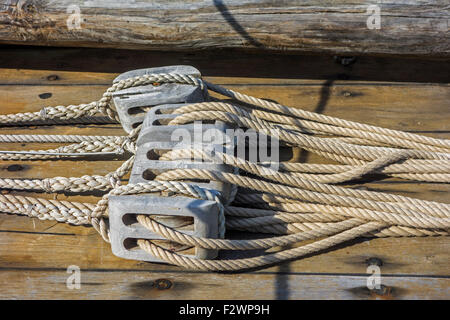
(295, 203)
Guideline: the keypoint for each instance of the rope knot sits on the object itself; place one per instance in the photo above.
(129, 145)
(43, 113)
(115, 181)
(47, 186)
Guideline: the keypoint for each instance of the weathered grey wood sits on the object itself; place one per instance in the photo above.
(34, 244)
(407, 27)
(51, 284)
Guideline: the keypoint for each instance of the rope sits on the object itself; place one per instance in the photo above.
(81, 184)
(28, 138)
(102, 106)
(296, 203)
(301, 125)
(286, 179)
(260, 261)
(307, 142)
(299, 113)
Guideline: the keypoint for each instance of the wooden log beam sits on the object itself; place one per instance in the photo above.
(411, 27)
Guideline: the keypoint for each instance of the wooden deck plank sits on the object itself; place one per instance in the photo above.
(34, 254)
(412, 108)
(87, 63)
(51, 284)
(31, 240)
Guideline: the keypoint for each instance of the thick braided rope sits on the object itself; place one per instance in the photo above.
(89, 146)
(44, 138)
(73, 184)
(102, 106)
(84, 213)
(62, 211)
(51, 113)
(84, 183)
(37, 118)
(84, 148)
(35, 207)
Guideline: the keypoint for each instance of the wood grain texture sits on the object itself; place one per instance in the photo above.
(342, 100)
(34, 255)
(32, 238)
(51, 284)
(286, 68)
(412, 27)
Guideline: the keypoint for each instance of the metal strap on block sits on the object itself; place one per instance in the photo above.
(133, 103)
(171, 211)
(155, 138)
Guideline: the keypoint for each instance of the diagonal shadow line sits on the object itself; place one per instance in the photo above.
(320, 108)
(226, 14)
(282, 290)
(324, 96)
